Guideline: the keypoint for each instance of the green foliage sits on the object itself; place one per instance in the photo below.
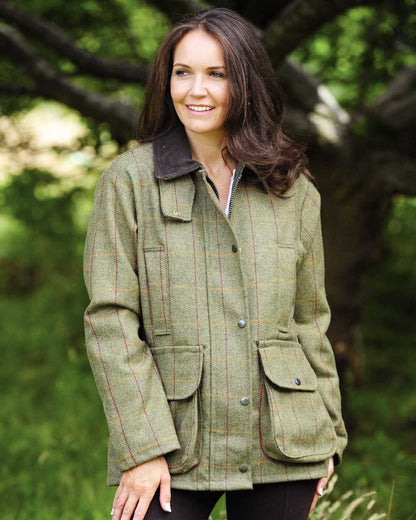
(41, 215)
(357, 53)
(123, 30)
(382, 448)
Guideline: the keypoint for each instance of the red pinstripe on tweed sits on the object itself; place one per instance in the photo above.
(226, 350)
(313, 408)
(162, 293)
(95, 238)
(175, 405)
(109, 387)
(291, 397)
(142, 205)
(119, 319)
(255, 263)
(198, 339)
(316, 298)
(256, 289)
(275, 407)
(274, 218)
(259, 426)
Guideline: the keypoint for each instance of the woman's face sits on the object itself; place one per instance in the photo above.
(199, 86)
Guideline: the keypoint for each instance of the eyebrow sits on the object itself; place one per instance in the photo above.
(188, 67)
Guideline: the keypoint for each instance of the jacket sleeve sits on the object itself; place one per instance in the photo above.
(138, 416)
(312, 314)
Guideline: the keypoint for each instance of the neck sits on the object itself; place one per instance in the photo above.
(206, 149)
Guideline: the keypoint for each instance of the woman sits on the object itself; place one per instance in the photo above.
(206, 330)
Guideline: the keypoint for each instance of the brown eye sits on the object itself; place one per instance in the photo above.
(218, 74)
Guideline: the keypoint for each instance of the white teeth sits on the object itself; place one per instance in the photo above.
(200, 109)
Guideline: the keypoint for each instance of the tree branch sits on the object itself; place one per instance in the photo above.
(176, 9)
(300, 19)
(48, 33)
(19, 90)
(120, 116)
(396, 107)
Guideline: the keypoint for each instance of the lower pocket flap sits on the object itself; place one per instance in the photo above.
(180, 368)
(285, 365)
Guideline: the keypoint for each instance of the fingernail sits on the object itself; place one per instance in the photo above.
(112, 511)
(320, 491)
(167, 506)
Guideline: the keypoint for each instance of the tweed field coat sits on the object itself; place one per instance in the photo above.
(206, 334)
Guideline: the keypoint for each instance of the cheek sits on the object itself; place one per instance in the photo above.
(223, 96)
(174, 91)
(178, 90)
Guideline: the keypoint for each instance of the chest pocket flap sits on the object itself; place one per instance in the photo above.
(177, 197)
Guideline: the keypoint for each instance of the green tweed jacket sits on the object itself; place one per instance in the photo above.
(206, 334)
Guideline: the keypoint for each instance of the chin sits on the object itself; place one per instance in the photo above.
(202, 130)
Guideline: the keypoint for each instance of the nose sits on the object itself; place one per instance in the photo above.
(198, 87)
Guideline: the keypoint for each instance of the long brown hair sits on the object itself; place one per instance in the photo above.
(252, 126)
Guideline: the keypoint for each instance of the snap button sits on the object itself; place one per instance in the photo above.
(244, 401)
(241, 323)
(234, 248)
(297, 381)
(243, 468)
(175, 212)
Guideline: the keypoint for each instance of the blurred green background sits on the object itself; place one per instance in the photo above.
(52, 429)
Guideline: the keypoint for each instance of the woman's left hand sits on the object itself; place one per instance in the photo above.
(322, 482)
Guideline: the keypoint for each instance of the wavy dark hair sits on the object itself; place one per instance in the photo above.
(252, 125)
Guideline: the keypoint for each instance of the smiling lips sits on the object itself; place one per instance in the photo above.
(200, 108)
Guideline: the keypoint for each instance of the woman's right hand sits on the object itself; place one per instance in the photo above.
(137, 487)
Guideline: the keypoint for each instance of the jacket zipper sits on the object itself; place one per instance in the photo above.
(238, 175)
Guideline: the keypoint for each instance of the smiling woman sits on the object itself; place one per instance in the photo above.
(206, 330)
(199, 86)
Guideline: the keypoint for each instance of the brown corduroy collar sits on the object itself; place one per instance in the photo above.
(172, 154)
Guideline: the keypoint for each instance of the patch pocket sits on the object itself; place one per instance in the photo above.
(180, 368)
(158, 289)
(295, 424)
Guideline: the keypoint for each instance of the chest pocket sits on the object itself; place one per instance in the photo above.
(176, 198)
(158, 289)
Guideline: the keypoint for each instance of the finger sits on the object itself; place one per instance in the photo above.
(165, 493)
(116, 497)
(330, 467)
(314, 501)
(119, 504)
(321, 485)
(142, 508)
(129, 507)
